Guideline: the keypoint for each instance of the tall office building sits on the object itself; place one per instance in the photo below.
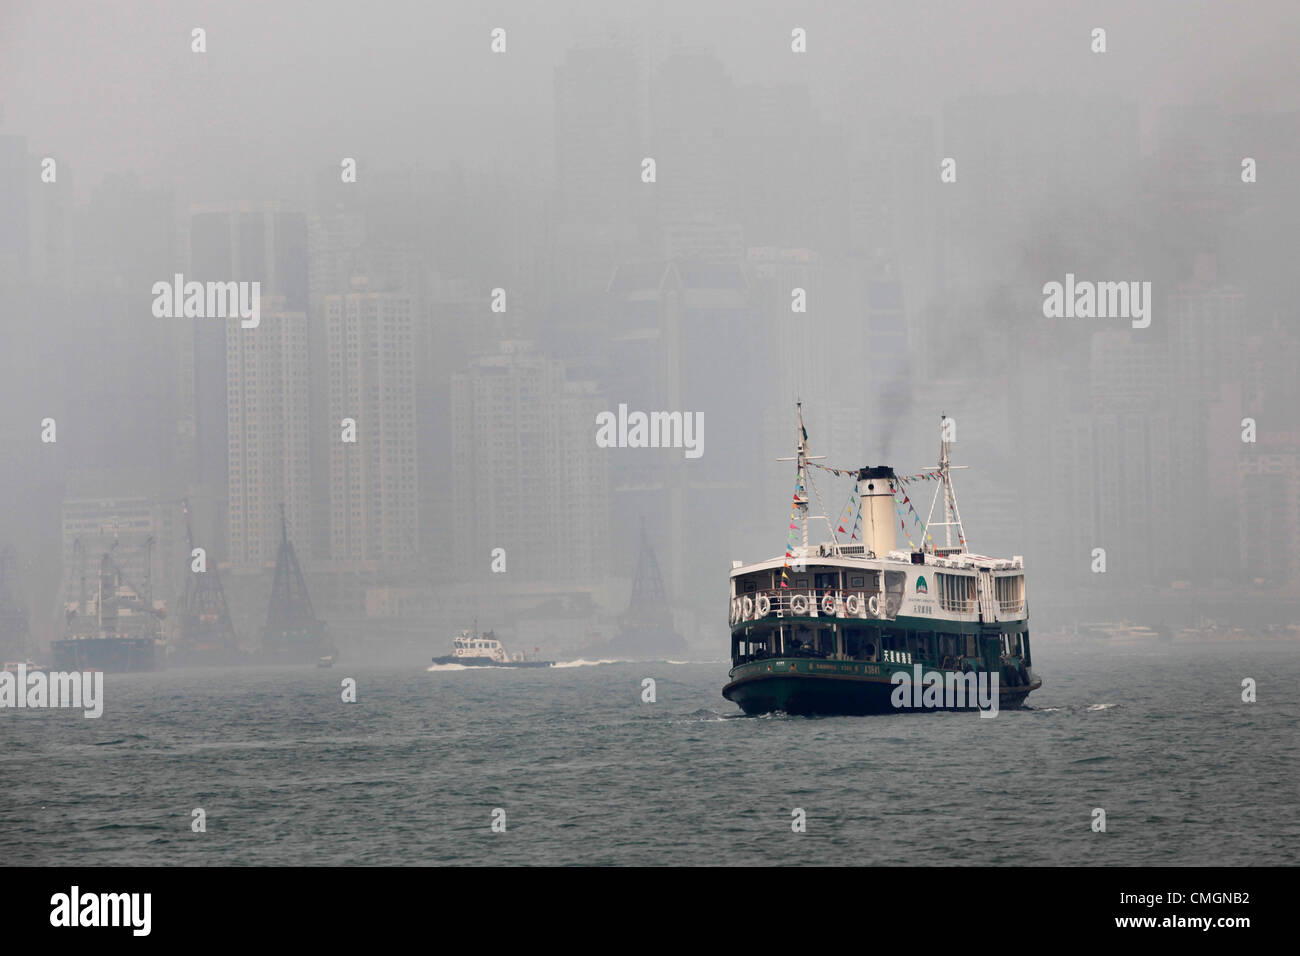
(374, 508)
(243, 241)
(669, 322)
(694, 115)
(599, 134)
(600, 142)
(528, 476)
(791, 170)
(456, 323)
(269, 427)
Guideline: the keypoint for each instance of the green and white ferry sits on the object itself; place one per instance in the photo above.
(831, 628)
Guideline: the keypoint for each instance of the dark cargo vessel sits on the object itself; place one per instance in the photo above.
(115, 629)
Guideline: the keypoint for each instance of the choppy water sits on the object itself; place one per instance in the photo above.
(586, 773)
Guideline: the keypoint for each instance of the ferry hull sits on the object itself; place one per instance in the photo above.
(833, 688)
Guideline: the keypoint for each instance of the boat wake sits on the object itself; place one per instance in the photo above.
(582, 662)
(703, 715)
(1070, 709)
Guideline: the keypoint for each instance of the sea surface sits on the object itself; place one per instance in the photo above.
(588, 773)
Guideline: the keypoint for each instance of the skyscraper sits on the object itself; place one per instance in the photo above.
(374, 513)
(528, 475)
(269, 427)
(243, 241)
(599, 134)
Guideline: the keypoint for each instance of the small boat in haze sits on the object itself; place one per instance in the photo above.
(471, 649)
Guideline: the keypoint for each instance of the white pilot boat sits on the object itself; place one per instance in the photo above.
(471, 649)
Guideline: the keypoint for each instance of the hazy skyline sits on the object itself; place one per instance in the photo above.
(519, 173)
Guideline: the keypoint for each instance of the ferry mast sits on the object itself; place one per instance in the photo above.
(951, 516)
(801, 460)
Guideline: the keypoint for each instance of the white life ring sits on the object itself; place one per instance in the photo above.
(873, 604)
(799, 604)
(852, 605)
(828, 603)
(735, 610)
(762, 605)
(747, 607)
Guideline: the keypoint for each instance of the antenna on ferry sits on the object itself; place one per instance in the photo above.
(951, 516)
(801, 459)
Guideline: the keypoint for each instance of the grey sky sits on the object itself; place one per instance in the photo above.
(114, 87)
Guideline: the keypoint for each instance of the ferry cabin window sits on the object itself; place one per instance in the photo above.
(1010, 592)
(813, 642)
(956, 592)
(857, 581)
(860, 643)
(801, 643)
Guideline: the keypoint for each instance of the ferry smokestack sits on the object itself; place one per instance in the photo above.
(876, 493)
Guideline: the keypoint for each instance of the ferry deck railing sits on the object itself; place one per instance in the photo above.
(840, 603)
